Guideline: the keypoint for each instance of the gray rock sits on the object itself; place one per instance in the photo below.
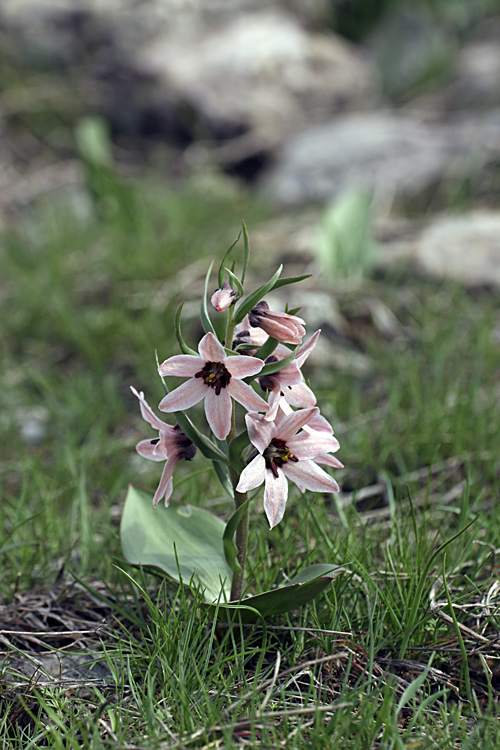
(387, 153)
(462, 248)
(261, 72)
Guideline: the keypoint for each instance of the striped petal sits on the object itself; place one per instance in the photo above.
(165, 487)
(245, 395)
(329, 461)
(218, 412)
(181, 366)
(300, 395)
(260, 431)
(275, 497)
(304, 351)
(293, 422)
(306, 474)
(149, 449)
(243, 367)
(210, 349)
(148, 414)
(185, 396)
(252, 475)
(312, 443)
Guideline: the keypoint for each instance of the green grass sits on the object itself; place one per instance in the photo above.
(84, 303)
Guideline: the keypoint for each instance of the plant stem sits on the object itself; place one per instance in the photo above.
(238, 581)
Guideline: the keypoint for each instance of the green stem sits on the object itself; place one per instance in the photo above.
(231, 325)
(238, 582)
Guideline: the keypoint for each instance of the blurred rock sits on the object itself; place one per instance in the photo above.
(385, 152)
(261, 74)
(185, 70)
(462, 248)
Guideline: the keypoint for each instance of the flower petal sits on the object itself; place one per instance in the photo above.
(275, 497)
(260, 431)
(218, 412)
(242, 367)
(299, 395)
(329, 461)
(165, 487)
(307, 474)
(245, 395)
(182, 366)
(148, 414)
(273, 405)
(210, 349)
(304, 351)
(318, 423)
(149, 449)
(312, 443)
(185, 396)
(252, 475)
(293, 422)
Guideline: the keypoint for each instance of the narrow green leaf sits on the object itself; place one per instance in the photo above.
(236, 446)
(185, 349)
(299, 590)
(266, 349)
(221, 267)
(230, 548)
(249, 302)
(290, 280)
(246, 256)
(237, 282)
(222, 473)
(205, 318)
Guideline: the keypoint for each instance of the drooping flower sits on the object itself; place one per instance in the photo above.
(286, 451)
(280, 325)
(286, 392)
(171, 445)
(216, 378)
(223, 298)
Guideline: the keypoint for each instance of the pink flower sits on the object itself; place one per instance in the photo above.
(223, 298)
(171, 445)
(286, 390)
(216, 378)
(280, 325)
(284, 454)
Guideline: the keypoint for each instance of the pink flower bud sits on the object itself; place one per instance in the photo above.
(223, 298)
(280, 325)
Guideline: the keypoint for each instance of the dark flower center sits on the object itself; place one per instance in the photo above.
(276, 454)
(185, 447)
(215, 375)
(269, 382)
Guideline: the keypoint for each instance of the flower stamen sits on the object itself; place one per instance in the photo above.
(215, 375)
(276, 454)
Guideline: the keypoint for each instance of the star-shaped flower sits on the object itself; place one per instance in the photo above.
(171, 445)
(286, 451)
(216, 378)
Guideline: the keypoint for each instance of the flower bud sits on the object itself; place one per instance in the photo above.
(223, 298)
(280, 325)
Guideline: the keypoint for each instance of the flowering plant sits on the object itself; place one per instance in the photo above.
(270, 438)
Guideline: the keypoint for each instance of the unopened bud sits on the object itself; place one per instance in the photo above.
(223, 298)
